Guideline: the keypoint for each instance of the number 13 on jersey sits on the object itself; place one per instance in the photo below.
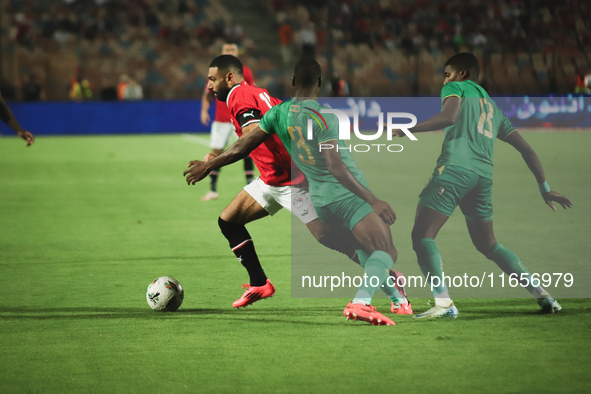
(485, 125)
(297, 135)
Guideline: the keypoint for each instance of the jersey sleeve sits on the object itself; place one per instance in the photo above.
(269, 121)
(244, 107)
(451, 89)
(505, 128)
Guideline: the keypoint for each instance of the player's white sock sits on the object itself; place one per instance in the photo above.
(444, 302)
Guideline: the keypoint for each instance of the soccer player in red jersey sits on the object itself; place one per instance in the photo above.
(278, 186)
(221, 128)
(337, 187)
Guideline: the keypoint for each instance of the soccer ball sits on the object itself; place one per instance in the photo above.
(165, 294)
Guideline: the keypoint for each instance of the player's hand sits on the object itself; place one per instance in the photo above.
(558, 198)
(205, 119)
(398, 133)
(197, 170)
(395, 132)
(385, 212)
(209, 156)
(27, 136)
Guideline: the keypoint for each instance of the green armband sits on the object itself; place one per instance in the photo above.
(544, 187)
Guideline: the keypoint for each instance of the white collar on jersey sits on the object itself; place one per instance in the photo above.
(232, 89)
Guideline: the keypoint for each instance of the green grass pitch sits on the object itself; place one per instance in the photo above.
(87, 222)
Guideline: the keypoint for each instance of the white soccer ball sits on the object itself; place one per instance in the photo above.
(165, 294)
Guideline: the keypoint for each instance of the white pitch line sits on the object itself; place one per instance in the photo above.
(196, 139)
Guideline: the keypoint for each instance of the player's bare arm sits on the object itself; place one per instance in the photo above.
(339, 170)
(447, 117)
(206, 100)
(533, 162)
(8, 117)
(246, 130)
(197, 170)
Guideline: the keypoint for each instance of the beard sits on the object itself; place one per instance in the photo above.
(222, 94)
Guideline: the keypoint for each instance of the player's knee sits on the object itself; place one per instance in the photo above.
(485, 247)
(319, 230)
(416, 236)
(230, 228)
(383, 245)
(225, 227)
(233, 215)
(234, 232)
(417, 245)
(387, 246)
(325, 239)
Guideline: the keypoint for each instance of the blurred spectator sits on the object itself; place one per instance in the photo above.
(583, 82)
(163, 39)
(339, 87)
(307, 39)
(80, 88)
(133, 90)
(22, 29)
(286, 40)
(62, 36)
(123, 82)
(31, 89)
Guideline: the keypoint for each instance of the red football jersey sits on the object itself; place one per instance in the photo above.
(222, 113)
(247, 105)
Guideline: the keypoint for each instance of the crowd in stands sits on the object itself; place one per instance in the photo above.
(165, 45)
(381, 47)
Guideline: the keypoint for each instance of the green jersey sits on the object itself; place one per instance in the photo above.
(290, 121)
(469, 143)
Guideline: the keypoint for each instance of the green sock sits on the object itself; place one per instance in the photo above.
(376, 266)
(391, 291)
(431, 265)
(510, 264)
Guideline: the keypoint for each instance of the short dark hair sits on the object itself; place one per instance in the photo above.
(465, 61)
(227, 63)
(307, 72)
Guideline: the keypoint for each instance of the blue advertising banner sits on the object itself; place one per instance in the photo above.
(523, 111)
(112, 117)
(550, 111)
(167, 116)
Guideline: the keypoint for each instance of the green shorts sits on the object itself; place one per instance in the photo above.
(450, 186)
(345, 213)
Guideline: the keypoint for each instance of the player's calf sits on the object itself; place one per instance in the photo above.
(243, 248)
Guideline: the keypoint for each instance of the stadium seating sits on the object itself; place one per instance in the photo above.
(166, 45)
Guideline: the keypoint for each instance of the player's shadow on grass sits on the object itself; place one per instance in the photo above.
(303, 316)
(480, 309)
(314, 315)
(148, 259)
